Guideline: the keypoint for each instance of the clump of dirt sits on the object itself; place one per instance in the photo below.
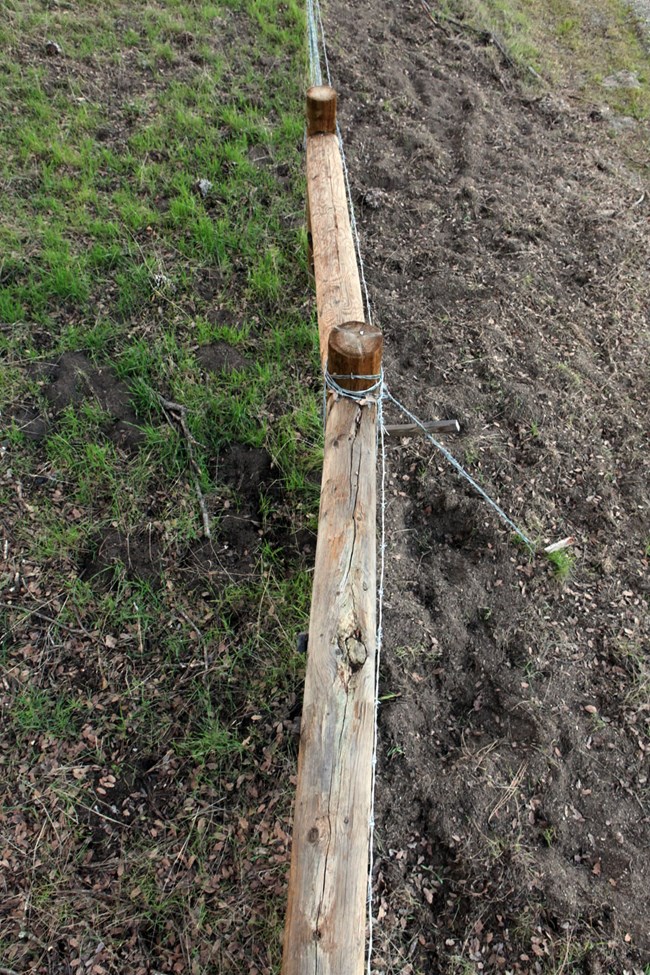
(250, 472)
(74, 378)
(210, 284)
(252, 516)
(231, 555)
(30, 422)
(140, 554)
(221, 357)
(507, 267)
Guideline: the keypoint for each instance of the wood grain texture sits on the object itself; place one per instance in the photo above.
(321, 110)
(325, 927)
(354, 349)
(338, 290)
(325, 931)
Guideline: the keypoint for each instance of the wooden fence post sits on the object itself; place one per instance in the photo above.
(354, 350)
(326, 912)
(321, 110)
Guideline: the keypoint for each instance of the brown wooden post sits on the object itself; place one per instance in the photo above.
(321, 110)
(310, 244)
(354, 349)
(326, 912)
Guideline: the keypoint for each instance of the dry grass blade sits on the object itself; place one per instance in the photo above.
(510, 791)
(179, 412)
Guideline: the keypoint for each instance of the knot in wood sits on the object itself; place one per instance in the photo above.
(356, 652)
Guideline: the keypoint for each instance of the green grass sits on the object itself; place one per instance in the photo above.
(102, 226)
(108, 250)
(562, 563)
(40, 712)
(569, 42)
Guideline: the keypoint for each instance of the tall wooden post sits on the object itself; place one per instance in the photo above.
(326, 920)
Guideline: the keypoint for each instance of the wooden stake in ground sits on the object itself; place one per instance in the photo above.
(354, 355)
(326, 923)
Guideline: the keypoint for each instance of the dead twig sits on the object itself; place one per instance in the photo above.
(179, 413)
(15, 607)
(567, 949)
(199, 636)
(509, 792)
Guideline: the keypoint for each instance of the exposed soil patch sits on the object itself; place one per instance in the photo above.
(221, 357)
(140, 554)
(498, 232)
(30, 422)
(74, 379)
(231, 555)
(210, 284)
(250, 472)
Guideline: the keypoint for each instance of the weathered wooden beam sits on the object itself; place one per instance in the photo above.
(338, 289)
(414, 429)
(325, 923)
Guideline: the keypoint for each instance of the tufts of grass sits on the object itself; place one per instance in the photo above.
(570, 42)
(635, 661)
(40, 712)
(562, 563)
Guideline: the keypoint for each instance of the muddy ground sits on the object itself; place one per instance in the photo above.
(506, 241)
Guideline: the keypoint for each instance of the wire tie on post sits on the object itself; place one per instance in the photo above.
(361, 396)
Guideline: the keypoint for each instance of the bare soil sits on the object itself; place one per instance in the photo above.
(506, 241)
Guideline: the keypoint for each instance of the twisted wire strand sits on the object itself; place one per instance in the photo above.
(449, 457)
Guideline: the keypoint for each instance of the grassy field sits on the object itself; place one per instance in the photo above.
(147, 672)
(591, 48)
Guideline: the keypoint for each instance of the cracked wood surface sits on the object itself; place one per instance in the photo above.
(325, 930)
(326, 913)
(338, 290)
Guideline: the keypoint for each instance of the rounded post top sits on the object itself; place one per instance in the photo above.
(321, 110)
(355, 349)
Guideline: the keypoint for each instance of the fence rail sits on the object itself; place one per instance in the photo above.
(325, 922)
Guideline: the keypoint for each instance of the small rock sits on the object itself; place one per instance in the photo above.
(163, 283)
(53, 49)
(622, 123)
(375, 198)
(204, 186)
(622, 79)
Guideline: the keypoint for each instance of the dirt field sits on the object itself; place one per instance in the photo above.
(507, 246)
(151, 688)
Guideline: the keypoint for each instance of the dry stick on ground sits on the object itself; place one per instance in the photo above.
(179, 412)
(16, 607)
(510, 791)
